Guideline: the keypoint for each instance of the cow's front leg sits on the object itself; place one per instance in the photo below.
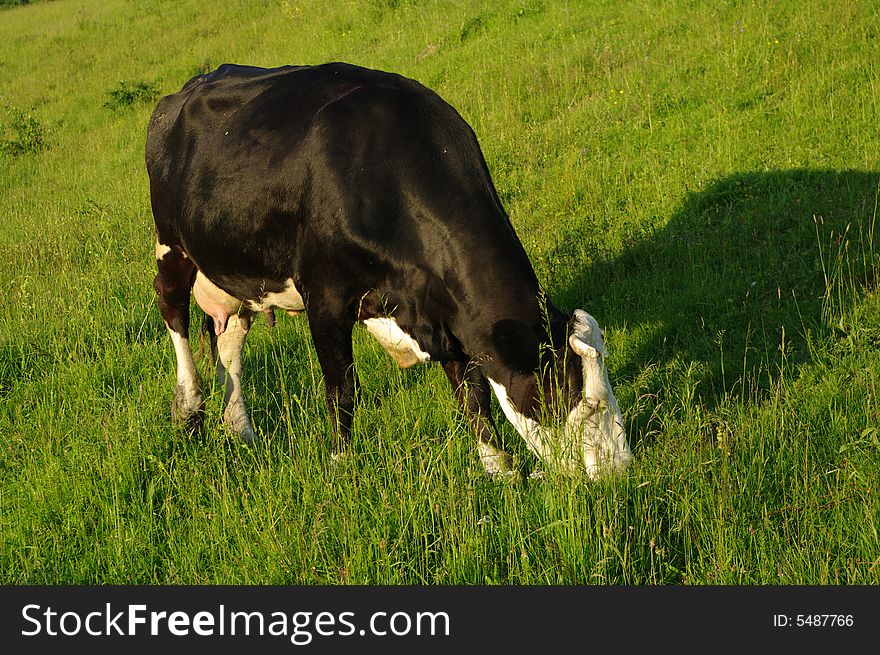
(331, 334)
(229, 345)
(472, 391)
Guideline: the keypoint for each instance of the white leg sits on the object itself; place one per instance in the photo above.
(535, 435)
(229, 346)
(188, 399)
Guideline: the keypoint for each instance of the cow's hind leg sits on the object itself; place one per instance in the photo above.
(226, 324)
(229, 345)
(173, 283)
(472, 391)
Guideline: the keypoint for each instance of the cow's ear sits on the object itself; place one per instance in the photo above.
(582, 348)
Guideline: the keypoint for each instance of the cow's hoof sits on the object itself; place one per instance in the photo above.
(506, 477)
(497, 463)
(188, 409)
(247, 434)
(340, 457)
(236, 419)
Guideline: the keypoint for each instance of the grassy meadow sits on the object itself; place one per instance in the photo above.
(702, 177)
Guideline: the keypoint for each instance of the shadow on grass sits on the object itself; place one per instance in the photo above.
(729, 291)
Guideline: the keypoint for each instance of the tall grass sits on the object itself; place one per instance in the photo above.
(702, 178)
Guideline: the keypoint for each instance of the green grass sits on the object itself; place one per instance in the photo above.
(702, 177)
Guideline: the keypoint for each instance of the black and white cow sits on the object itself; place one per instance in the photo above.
(356, 195)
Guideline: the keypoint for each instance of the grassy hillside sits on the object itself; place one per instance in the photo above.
(702, 177)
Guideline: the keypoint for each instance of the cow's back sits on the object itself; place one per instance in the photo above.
(252, 99)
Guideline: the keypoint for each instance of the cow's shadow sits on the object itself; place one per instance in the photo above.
(728, 291)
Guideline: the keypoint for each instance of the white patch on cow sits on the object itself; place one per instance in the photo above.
(188, 397)
(288, 299)
(229, 347)
(536, 436)
(161, 250)
(402, 347)
(215, 302)
(594, 428)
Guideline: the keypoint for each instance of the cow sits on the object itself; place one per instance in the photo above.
(360, 196)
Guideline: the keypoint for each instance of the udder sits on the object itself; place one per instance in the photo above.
(215, 302)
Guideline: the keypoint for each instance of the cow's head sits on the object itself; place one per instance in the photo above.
(567, 414)
(594, 438)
